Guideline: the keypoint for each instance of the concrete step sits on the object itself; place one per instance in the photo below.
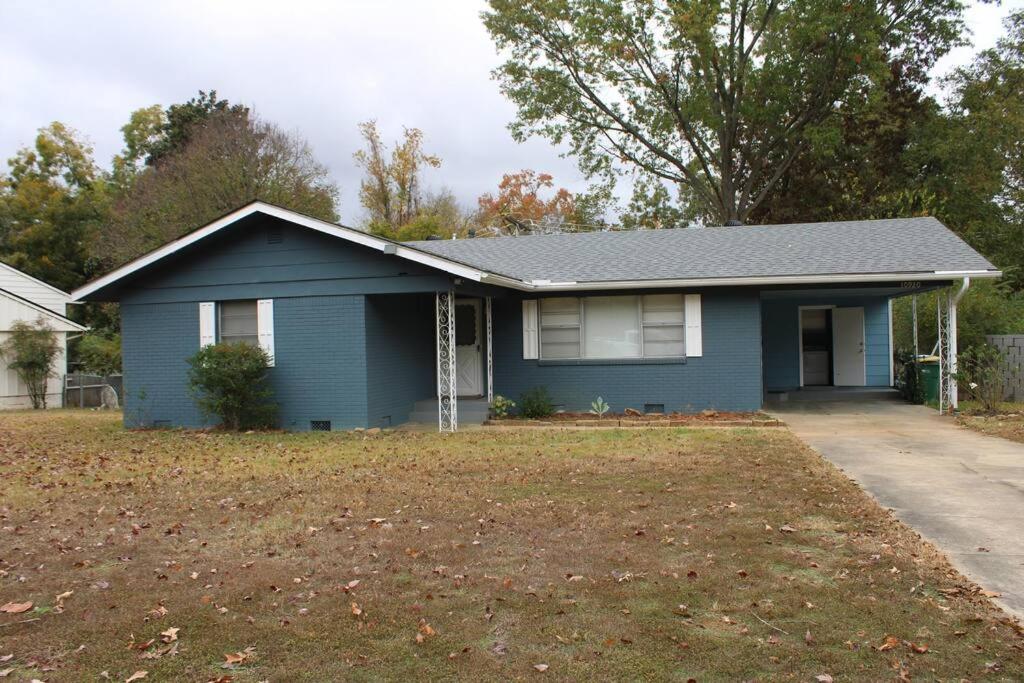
(470, 411)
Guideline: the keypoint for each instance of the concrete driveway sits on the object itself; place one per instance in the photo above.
(961, 490)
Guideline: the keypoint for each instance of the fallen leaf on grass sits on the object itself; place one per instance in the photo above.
(425, 631)
(59, 600)
(808, 638)
(137, 676)
(823, 678)
(541, 667)
(16, 607)
(170, 635)
(4, 673)
(356, 609)
(233, 659)
(786, 529)
(890, 643)
(919, 649)
(171, 649)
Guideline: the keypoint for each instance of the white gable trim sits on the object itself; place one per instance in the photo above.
(66, 324)
(478, 275)
(28, 277)
(348, 234)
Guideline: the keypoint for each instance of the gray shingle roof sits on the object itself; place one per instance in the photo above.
(906, 245)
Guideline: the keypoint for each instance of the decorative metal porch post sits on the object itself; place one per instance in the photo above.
(942, 308)
(490, 354)
(447, 402)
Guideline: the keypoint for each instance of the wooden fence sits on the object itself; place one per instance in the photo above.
(1012, 346)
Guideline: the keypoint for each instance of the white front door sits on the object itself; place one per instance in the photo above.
(468, 348)
(848, 347)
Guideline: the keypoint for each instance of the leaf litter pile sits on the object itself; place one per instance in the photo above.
(487, 555)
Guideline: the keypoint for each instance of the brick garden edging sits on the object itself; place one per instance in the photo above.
(616, 423)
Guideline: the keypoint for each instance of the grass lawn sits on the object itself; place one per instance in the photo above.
(709, 554)
(1008, 423)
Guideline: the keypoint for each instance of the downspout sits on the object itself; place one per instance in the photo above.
(954, 400)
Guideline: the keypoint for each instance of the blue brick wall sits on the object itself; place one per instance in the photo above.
(726, 377)
(319, 373)
(400, 361)
(782, 337)
(157, 341)
(320, 361)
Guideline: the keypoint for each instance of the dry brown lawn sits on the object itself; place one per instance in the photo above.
(1008, 423)
(706, 554)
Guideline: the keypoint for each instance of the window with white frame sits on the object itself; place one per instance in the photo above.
(238, 322)
(610, 327)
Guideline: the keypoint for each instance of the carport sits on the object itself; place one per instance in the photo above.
(823, 342)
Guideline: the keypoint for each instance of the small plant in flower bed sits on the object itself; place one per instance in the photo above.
(536, 403)
(599, 407)
(501, 407)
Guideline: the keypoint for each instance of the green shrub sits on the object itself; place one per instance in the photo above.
(501, 406)
(30, 351)
(100, 353)
(229, 383)
(983, 372)
(536, 403)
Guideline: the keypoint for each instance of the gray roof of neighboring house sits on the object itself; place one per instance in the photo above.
(903, 245)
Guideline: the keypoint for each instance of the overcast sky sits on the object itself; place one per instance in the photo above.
(317, 68)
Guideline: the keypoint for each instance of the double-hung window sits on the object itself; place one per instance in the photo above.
(612, 327)
(238, 322)
(247, 321)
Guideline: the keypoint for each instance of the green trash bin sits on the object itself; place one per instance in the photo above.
(930, 380)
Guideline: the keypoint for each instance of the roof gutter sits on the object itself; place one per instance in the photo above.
(906, 277)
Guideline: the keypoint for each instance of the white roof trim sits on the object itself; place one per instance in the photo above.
(44, 310)
(25, 275)
(332, 229)
(463, 271)
(927, 276)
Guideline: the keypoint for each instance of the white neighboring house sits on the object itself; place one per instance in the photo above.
(22, 297)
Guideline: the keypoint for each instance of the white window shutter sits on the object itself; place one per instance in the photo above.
(265, 327)
(530, 345)
(207, 323)
(694, 344)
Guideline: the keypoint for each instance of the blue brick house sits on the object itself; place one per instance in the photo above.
(368, 332)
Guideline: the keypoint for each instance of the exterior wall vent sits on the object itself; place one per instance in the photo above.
(320, 425)
(654, 407)
(274, 235)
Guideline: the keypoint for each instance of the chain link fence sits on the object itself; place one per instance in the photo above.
(86, 391)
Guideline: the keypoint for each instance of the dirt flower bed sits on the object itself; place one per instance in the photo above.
(710, 418)
(573, 554)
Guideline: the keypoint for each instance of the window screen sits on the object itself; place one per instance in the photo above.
(560, 328)
(663, 325)
(650, 326)
(238, 322)
(611, 327)
(465, 324)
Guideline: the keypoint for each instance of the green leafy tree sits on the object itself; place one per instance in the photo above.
(52, 199)
(719, 98)
(100, 353)
(391, 192)
(229, 382)
(228, 160)
(175, 128)
(652, 207)
(31, 350)
(982, 170)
